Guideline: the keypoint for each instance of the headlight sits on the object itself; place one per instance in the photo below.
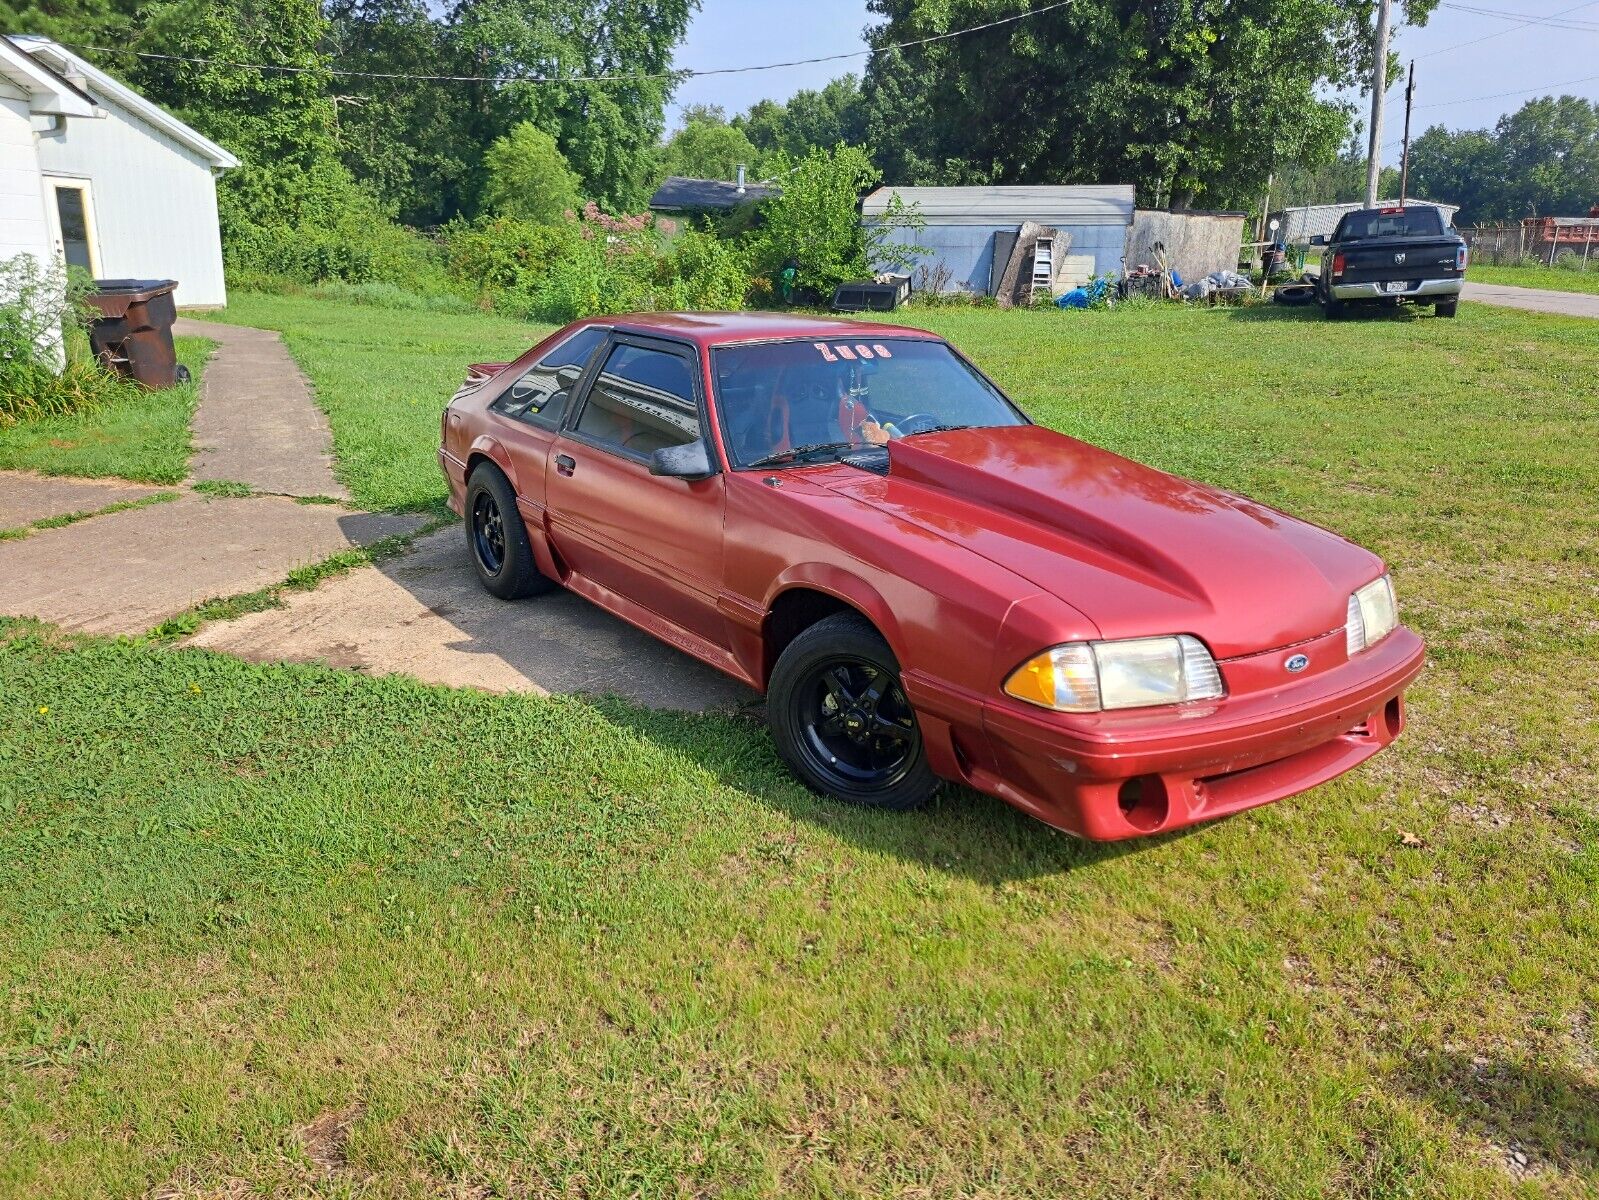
(1372, 615)
(1139, 673)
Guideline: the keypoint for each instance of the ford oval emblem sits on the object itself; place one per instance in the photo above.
(1297, 663)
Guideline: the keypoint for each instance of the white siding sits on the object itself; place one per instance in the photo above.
(23, 228)
(1076, 204)
(155, 201)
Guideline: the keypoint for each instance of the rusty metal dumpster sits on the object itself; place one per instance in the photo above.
(133, 333)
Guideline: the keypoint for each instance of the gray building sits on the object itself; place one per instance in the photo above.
(966, 228)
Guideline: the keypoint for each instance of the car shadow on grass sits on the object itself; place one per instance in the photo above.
(1536, 1115)
(961, 832)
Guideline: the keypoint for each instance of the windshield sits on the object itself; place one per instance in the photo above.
(792, 402)
(1389, 222)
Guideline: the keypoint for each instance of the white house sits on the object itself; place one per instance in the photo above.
(124, 188)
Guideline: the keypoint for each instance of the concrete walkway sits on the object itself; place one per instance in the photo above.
(424, 614)
(128, 571)
(257, 422)
(26, 497)
(1571, 304)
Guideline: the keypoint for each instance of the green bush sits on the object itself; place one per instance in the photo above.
(708, 272)
(46, 366)
(526, 176)
(488, 257)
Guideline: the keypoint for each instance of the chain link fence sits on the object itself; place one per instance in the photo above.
(1574, 246)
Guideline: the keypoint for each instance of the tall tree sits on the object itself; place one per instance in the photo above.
(1194, 100)
(707, 147)
(527, 178)
(1541, 160)
(609, 132)
(809, 120)
(409, 141)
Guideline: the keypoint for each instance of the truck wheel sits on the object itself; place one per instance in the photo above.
(1446, 308)
(497, 539)
(1332, 309)
(840, 719)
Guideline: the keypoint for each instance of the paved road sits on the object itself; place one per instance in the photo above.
(1571, 304)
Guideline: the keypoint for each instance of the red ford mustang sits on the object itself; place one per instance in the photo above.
(852, 518)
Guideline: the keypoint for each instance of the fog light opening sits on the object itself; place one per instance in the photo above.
(1143, 802)
(1393, 716)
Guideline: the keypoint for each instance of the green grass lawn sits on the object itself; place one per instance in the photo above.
(287, 930)
(145, 437)
(1555, 279)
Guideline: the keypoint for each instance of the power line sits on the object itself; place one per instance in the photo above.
(1522, 19)
(642, 78)
(1501, 95)
(1523, 23)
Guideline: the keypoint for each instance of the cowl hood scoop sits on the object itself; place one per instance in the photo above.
(1134, 549)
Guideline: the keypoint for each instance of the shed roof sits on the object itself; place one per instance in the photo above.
(1074, 204)
(103, 87)
(707, 195)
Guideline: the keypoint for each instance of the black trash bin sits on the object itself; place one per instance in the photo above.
(133, 333)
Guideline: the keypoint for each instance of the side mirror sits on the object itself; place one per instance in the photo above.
(566, 377)
(690, 461)
(1318, 239)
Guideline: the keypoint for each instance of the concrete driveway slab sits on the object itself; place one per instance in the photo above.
(129, 571)
(1571, 304)
(424, 614)
(26, 498)
(257, 422)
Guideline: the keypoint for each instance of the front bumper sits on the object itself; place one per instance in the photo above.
(1120, 775)
(1417, 289)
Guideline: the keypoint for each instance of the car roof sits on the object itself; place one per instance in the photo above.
(726, 328)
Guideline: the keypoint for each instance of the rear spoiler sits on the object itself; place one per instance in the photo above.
(477, 373)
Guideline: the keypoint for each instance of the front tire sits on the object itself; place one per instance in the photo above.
(841, 720)
(497, 539)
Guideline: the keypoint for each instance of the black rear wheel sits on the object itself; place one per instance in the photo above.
(841, 720)
(497, 538)
(1446, 308)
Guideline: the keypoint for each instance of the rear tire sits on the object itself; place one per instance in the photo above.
(1446, 308)
(1333, 309)
(497, 539)
(841, 721)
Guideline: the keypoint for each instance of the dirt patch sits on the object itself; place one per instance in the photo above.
(326, 1140)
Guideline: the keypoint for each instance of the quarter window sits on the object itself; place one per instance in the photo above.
(642, 401)
(537, 395)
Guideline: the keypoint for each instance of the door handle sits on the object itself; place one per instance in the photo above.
(565, 464)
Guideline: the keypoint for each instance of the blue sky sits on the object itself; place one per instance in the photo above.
(1449, 74)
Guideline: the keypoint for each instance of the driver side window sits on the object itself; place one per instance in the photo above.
(536, 395)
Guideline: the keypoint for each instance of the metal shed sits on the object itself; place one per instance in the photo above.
(1300, 224)
(963, 225)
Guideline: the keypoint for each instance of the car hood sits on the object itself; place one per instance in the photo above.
(1135, 550)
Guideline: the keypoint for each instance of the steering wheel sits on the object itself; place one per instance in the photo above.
(910, 424)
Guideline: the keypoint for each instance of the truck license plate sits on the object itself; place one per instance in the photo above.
(1398, 285)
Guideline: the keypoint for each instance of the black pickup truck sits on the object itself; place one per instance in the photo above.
(1389, 256)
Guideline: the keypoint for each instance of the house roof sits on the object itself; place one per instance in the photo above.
(48, 92)
(707, 195)
(103, 87)
(1085, 204)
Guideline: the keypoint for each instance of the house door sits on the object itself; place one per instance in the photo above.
(72, 222)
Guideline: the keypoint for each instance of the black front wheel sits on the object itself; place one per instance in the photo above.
(497, 538)
(841, 720)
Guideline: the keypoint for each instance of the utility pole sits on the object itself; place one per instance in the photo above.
(1379, 87)
(1404, 163)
